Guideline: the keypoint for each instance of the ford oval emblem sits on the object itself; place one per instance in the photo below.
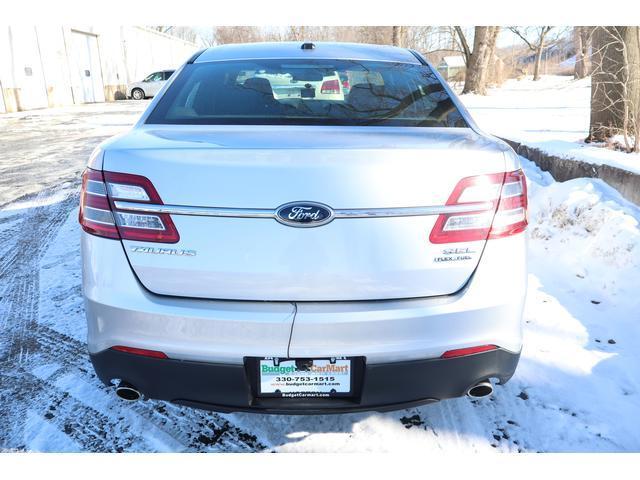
(304, 214)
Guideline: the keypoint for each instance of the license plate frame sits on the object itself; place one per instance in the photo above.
(302, 388)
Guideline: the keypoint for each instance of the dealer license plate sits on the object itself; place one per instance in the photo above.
(305, 377)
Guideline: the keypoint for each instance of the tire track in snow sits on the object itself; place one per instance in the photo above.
(21, 390)
(20, 264)
(194, 430)
(84, 425)
(206, 431)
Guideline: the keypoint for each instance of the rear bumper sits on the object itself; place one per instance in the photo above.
(121, 312)
(229, 387)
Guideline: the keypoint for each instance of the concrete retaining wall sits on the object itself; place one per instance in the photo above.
(562, 169)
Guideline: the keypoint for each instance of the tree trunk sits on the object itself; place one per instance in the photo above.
(536, 66)
(632, 41)
(477, 66)
(607, 100)
(633, 45)
(539, 51)
(397, 36)
(463, 44)
(491, 75)
(582, 40)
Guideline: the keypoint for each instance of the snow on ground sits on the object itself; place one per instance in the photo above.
(551, 114)
(32, 161)
(577, 387)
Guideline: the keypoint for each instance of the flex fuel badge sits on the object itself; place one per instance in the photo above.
(449, 255)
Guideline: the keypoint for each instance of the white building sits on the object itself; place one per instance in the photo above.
(47, 66)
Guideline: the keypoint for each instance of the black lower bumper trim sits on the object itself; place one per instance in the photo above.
(228, 388)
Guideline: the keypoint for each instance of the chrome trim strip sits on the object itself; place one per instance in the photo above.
(267, 213)
(195, 211)
(411, 211)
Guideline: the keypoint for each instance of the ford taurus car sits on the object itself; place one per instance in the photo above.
(362, 249)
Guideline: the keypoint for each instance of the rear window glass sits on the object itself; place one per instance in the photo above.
(305, 92)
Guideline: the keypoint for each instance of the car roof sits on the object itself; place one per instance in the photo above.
(293, 50)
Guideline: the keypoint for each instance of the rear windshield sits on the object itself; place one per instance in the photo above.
(307, 92)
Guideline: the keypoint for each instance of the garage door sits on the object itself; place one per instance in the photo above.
(27, 73)
(86, 69)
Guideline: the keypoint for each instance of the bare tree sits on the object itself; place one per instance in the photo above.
(376, 35)
(297, 33)
(615, 86)
(537, 45)
(396, 36)
(479, 59)
(419, 38)
(184, 33)
(582, 41)
(425, 39)
(237, 34)
(207, 38)
(463, 44)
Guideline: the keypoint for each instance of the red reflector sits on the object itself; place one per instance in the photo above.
(461, 352)
(140, 351)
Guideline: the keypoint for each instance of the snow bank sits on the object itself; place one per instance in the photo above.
(580, 366)
(586, 219)
(551, 114)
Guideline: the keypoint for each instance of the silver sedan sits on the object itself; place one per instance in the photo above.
(333, 249)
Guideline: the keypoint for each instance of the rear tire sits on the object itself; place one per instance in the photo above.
(137, 94)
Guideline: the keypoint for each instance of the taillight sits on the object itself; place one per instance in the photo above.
(330, 86)
(156, 227)
(95, 212)
(506, 193)
(99, 215)
(511, 216)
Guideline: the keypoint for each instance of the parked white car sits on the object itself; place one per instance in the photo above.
(150, 86)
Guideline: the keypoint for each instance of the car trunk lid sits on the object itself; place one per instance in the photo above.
(256, 170)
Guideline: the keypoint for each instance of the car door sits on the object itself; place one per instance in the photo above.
(155, 84)
(165, 77)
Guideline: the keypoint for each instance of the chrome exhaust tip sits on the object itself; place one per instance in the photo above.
(127, 392)
(480, 390)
